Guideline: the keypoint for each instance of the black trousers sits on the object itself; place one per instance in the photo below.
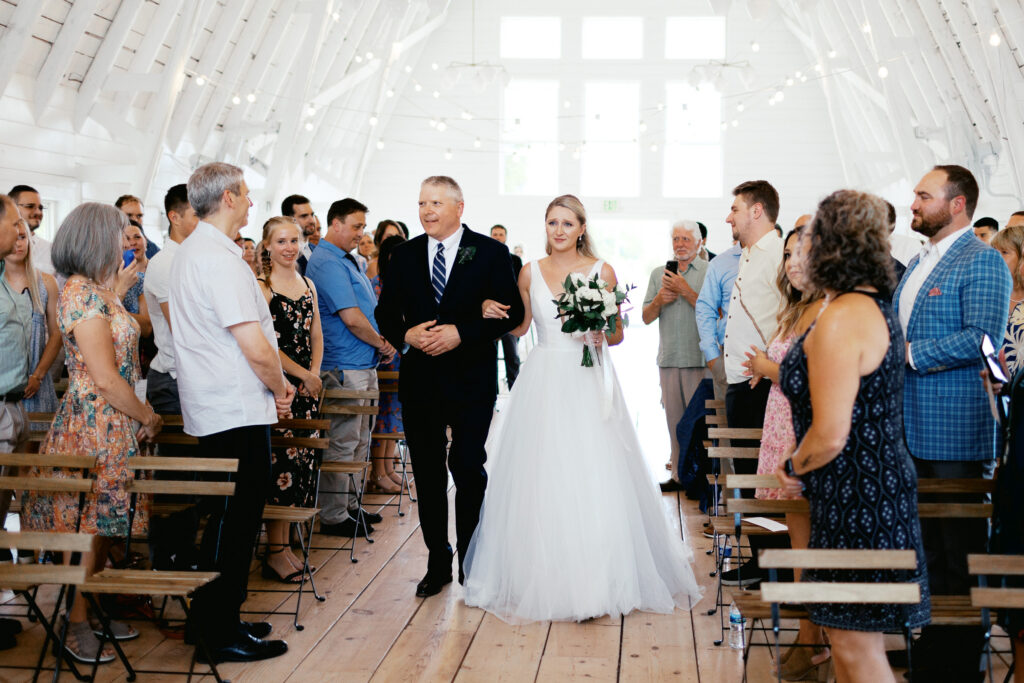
(510, 352)
(947, 542)
(744, 408)
(426, 432)
(231, 531)
(172, 538)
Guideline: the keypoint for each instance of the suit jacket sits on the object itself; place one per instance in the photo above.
(517, 266)
(945, 408)
(482, 270)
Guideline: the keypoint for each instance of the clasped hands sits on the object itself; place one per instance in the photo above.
(791, 485)
(673, 286)
(433, 339)
(755, 364)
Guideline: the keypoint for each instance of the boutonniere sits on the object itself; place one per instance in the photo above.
(466, 254)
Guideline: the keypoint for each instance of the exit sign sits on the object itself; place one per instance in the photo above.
(610, 205)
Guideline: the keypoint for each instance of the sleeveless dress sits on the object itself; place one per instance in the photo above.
(572, 525)
(44, 400)
(292, 481)
(87, 424)
(389, 419)
(867, 496)
(778, 426)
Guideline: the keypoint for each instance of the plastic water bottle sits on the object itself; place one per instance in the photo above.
(735, 627)
(726, 558)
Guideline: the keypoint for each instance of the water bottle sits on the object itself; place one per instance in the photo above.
(735, 627)
(726, 558)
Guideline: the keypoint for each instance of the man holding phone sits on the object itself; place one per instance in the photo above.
(670, 299)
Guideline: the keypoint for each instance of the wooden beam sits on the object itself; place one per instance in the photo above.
(103, 61)
(15, 37)
(63, 47)
(214, 50)
(125, 81)
(156, 34)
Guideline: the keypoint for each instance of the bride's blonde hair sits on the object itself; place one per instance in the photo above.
(567, 201)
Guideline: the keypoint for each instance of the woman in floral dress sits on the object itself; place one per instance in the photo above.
(796, 316)
(383, 478)
(99, 415)
(293, 306)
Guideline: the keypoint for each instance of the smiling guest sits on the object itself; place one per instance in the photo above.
(134, 302)
(671, 296)
(352, 349)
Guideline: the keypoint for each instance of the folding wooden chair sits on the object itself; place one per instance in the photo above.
(773, 592)
(388, 384)
(355, 470)
(1007, 569)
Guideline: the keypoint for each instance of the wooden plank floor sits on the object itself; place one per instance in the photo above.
(372, 627)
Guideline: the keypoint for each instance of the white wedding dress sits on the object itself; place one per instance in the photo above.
(572, 525)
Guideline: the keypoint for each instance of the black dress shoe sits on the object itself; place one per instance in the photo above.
(371, 517)
(10, 627)
(245, 648)
(432, 584)
(257, 629)
(671, 486)
(347, 528)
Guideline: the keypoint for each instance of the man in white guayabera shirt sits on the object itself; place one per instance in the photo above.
(232, 389)
(753, 309)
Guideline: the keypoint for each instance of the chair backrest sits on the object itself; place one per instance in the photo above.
(23, 575)
(751, 433)
(44, 483)
(998, 597)
(183, 487)
(907, 593)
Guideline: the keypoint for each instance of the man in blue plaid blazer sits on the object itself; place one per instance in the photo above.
(957, 289)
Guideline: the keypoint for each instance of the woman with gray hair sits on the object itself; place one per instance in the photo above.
(100, 415)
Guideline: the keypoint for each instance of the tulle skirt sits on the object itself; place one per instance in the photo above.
(572, 525)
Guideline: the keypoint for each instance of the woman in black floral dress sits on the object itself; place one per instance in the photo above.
(292, 301)
(844, 382)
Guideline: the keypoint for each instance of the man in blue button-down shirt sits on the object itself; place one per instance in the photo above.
(712, 311)
(352, 349)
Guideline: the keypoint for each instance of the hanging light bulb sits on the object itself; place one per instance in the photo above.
(251, 97)
(201, 81)
(380, 144)
(466, 116)
(373, 121)
(567, 105)
(993, 40)
(819, 67)
(661, 106)
(408, 69)
(390, 93)
(442, 126)
(236, 100)
(436, 94)
(642, 127)
(309, 126)
(311, 110)
(883, 71)
(755, 46)
(433, 123)
(336, 16)
(740, 107)
(561, 146)
(654, 147)
(735, 123)
(448, 155)
(866, 27)
(725, 125)
(832, 54)
(779, 95)
(417, 87)
(477, 143)
(357, 59)
(434, 66)
(369, 56)
(790, 81)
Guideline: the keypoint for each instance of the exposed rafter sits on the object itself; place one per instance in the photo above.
(104, 60)
(15, 37)
(60, 53)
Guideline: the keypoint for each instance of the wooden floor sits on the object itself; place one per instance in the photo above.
(372, 627)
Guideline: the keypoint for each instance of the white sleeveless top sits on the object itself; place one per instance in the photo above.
(549, 327)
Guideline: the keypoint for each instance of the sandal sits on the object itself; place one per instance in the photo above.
(269, 572)
(120, 629)
(85, 646)
(382, 484)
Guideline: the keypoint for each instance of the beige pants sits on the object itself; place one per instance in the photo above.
(677, 387)
(721, 386)
(13, 436)
(350, 442)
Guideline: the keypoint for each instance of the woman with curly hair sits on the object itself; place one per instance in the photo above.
(1009, 242)
(844, 380)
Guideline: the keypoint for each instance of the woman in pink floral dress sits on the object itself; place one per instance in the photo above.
(100, 415)
(797, 314)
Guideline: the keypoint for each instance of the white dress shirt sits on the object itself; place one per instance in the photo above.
(211, 290)
(41, 259)
(754, 305)
(931, 254)
(156, 289)
(451, 248)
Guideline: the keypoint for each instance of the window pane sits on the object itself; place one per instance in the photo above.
(613, 38)
(692, 171)
(529, 134)
(531, 37)
(695, 38)
(611, 158)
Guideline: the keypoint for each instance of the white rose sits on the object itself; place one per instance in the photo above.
(577, 280)
(589, 295)
(609, 304)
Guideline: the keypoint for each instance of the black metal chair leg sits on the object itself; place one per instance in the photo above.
(200, 644)
(108, 634)
(306, 544)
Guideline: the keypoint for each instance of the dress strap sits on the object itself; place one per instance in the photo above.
(596, 270)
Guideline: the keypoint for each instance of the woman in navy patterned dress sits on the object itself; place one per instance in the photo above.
(844, 381)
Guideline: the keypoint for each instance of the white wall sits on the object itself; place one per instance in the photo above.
(789, 144)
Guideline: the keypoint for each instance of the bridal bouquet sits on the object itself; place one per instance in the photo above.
(587, 305)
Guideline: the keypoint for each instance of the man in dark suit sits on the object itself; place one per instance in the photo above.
(509, 342)
(430, 307)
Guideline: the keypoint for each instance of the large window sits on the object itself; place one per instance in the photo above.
(529, 133)
(531, 38)
(695, 38)
(613, 38)
(611, 157)
(693, 147)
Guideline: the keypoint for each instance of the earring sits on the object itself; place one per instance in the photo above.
(579, 241)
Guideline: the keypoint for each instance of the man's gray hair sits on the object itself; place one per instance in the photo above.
(88, 242)
(688, 225)
(207, 183)
(453, 187)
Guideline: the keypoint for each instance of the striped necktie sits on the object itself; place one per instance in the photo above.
(437, 273)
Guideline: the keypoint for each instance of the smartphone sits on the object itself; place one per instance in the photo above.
(129, 256)
(788, 469)
(988, 352)
(672, 266)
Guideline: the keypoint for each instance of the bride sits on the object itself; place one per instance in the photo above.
(572, 526)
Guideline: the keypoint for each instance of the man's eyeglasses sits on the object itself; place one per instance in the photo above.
(32, 207)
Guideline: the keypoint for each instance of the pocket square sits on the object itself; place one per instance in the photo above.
(934, 291)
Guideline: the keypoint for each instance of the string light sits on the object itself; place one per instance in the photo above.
(369, 56)
(790, 81)
(654, 147)
(380, 144)
(477, 143)
(642, 127)
(201, 81)
(436, 94)
(755, 46)
(567, 104)
(390, 92)
(993, 40)
(561, 146)
(374, 121)
(236, 100)
(357, 59)
(442, 126)
(251, 97)
(740, 107)
(434, 66)
(883, 71)
(336, 16)
(866, 27)
(309, 126)
(408, 69)
(466, 115)
(433, 123)
(417, 87)
(448, 155)
(311, 110)
(832, 54)
(735, 123)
